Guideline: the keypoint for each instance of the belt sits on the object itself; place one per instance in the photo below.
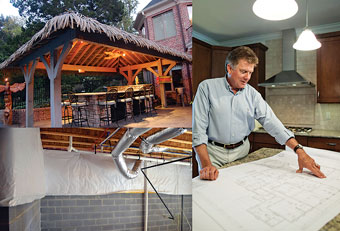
(228, 146)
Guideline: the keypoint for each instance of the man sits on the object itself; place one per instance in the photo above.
(224, 113)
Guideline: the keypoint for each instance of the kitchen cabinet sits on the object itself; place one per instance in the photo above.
(328, 68)
(259, 73)
(209, 62)
(218, 56)
(331, 144)
(264, 140)
(201, 62)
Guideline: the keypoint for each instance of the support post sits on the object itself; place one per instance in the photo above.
(28, 70)
(54, 74)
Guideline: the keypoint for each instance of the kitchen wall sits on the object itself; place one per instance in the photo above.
(298, 106)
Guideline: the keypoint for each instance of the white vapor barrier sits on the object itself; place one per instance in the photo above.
(268, 194)
(70, 173)
(22, 177)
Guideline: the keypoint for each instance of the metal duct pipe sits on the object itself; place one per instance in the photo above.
(124, 143)
(146, 145)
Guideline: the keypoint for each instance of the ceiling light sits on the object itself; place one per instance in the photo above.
(307, 40)
(275, 10)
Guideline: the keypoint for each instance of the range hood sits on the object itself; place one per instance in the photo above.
(288, 77)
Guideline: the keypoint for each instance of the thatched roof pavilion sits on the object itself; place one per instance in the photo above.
(72, 42)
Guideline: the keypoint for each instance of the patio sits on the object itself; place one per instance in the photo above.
(172, 116)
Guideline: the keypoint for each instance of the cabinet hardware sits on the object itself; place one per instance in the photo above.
(331, 144)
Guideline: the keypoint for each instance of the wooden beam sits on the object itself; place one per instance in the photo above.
(122, 72)
(94, 56)
(143, 65)
(153, 71)
(94, 48)
(180, 141)
(75, 51)
(121, 43)
(83, 53)
(68, 67)
(170, 67)
(63, 38)
(136, 73)
(159, 67)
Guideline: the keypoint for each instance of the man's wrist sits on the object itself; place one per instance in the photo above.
(298, 147)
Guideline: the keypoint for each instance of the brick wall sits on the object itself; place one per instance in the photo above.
(40, 114)
(118, 211)
(22, 217)
(176, 42)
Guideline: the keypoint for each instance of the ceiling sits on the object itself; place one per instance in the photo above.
(223, 20)
(86, 139)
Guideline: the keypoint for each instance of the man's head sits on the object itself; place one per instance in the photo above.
(240, 64)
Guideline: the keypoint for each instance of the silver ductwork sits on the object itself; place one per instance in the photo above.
(124, 143)
(146, 145)
(288, 77)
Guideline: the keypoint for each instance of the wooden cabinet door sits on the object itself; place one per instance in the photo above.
(328, 69)
(218, 56)
(201, 62)
(331, 144)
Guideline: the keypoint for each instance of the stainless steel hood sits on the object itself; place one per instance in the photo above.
(288, 77)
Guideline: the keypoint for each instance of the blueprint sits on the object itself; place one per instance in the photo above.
(268, 195)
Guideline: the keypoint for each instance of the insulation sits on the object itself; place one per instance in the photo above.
(85, 174)
(21, 166)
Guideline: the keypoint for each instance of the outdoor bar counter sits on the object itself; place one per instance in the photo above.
(332, 225)
(92, 98)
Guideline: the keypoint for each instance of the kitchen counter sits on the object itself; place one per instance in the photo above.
(332, 225)
(313, 133)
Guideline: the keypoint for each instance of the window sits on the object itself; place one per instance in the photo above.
(189, 8)
(164, 25)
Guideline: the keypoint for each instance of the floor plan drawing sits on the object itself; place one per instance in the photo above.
(268, 195)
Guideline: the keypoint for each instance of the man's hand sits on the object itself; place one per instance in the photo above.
(209, 173)
(305, 161)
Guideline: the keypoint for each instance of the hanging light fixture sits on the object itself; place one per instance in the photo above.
(275, 10)
(307, 40)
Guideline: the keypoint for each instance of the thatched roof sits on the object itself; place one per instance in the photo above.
(89, 26)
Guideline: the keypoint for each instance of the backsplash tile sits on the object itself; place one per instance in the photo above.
(298, 106)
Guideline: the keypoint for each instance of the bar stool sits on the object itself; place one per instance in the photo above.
(110, 107)
(181, 94)
(139, 97)
(127, 100)
(149, 98)
(65, 104)
(79, 111)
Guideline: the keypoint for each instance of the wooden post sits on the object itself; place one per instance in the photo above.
(54, 74)
(161, 85)
(28, 70)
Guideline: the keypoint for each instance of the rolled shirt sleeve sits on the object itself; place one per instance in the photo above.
(200, 115)
(266, 117)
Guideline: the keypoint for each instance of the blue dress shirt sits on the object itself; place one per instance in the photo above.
(225, 117)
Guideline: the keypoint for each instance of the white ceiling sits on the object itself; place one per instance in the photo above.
(226, 20)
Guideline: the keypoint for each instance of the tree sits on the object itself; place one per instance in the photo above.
(36, 11)
(126, 23)
(10, 34)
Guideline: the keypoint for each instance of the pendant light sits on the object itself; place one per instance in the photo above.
(275, 10)
(307, 40)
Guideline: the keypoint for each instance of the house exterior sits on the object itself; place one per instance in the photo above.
(169, 23)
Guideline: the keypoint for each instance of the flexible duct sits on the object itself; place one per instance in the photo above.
(124, 143)
(146, 145)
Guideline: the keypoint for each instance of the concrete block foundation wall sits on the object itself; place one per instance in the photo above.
(22, 217)
(118, 211)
